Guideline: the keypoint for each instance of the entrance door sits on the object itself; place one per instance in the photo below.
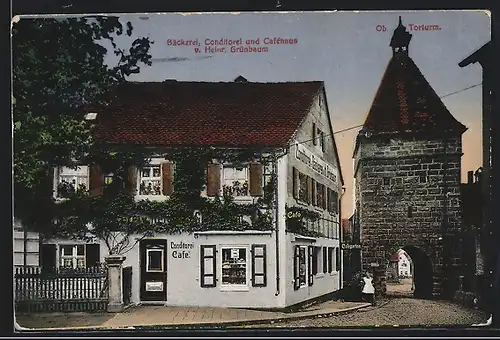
(153, 261)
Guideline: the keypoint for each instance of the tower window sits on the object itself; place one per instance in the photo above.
(410, 211)
(387, 181)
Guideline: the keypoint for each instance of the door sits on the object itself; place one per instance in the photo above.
(153, 262)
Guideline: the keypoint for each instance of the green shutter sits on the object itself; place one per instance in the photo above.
(208, 266)
(259, 273)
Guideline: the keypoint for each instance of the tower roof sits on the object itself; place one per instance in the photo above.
(405, 101)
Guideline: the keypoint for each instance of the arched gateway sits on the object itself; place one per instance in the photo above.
(407, 177)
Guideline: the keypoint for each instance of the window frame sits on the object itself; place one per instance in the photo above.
(248, 264)
(246, 167)
(57, 178)
(74, 257)
(140, 179)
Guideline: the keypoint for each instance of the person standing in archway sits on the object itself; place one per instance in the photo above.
(368, 288)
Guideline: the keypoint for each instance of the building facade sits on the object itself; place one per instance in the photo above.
(407, 175)
(285, 124)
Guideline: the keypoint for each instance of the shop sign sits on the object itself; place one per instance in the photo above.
(351, 246)
(154, 286)
(181, 250)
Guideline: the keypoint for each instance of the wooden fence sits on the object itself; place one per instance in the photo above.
(81, 290)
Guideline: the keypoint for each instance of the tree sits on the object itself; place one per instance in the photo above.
(58, 69)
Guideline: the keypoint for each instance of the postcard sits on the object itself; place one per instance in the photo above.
(253, 169)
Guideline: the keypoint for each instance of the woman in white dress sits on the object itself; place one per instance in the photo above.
(368, 289)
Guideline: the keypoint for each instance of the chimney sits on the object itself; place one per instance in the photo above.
(470, 177)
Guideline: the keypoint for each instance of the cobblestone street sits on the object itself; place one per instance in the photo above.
(397, 311)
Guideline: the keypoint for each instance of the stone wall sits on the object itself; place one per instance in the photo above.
(402, 196)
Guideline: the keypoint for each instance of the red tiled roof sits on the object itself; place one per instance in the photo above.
(233, 114)
(405, 102)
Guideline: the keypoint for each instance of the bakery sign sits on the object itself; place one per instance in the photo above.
(315, 163)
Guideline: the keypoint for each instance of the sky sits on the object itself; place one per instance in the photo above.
(349, 51)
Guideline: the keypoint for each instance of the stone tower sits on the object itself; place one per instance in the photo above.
(407, 177)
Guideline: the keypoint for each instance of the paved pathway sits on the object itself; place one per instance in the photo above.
(176, 316)
(396, 312)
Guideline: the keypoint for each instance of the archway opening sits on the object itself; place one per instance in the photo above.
(409, 273)
(399, 275)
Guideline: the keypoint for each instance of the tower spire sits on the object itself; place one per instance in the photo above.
(400, 40)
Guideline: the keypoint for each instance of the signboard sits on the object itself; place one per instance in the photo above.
(235, 253)
(154, 286)
(316, 163)
(181, 250)
(351, 246)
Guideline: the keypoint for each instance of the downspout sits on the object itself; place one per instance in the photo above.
(276, 219)
(341, 252)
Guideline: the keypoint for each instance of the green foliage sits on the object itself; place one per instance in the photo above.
(297, 217)
(58, 68)
(85, 217)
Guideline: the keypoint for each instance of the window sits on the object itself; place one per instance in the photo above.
(333, 201)
(268, 173)
(337, 259)
(300, 267)
(303, 188)
(235, 181)
(315, 263)
(315, 142)
(321, 140)
(387, 181)
(154, 260)
(70, 180)
(234, 266)
(410, 211)
(320, 195)
(150, 180)
(325, 260)
(423, 179)
(330, 259)
(73, 256)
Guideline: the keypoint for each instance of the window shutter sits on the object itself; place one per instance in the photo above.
(295, 177)
(309, 190)
(167, 178)
(259, 277)
(310, 263)
(131, 184)
(256, 179)
(92, 255)
(337, 259)
(48, 258)
(296, 268)
(213, 179)
(314, 134)
(323, 141)
(313, 194)
(325, 260)
(96, 180)
(208, 264)
(323, 195)
(330, 259)
(329, 199)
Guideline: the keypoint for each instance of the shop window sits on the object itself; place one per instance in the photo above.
(300, 267)
(325, 260)
(150, 180)
(234, 266)
(73, 256)
(208, 266)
